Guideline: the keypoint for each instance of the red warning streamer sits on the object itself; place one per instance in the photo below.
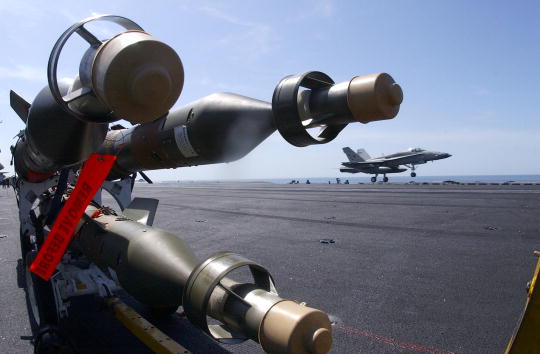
(93, 173)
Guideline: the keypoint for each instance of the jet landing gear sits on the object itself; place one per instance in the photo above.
(413, 174)
(374, 179)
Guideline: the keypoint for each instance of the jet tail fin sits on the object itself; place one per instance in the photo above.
(363, 154)
(352, 156)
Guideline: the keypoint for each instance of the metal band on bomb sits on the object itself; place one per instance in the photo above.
(289, 119)
(131, 76)
(81, 91)
(331, 106)
(206, 277)
(252, 310)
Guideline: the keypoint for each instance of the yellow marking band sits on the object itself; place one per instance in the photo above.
(526, 338)
(147, 333)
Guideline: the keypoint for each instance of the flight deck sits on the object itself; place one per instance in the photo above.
(399, 268)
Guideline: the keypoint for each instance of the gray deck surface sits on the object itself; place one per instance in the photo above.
(414, 268)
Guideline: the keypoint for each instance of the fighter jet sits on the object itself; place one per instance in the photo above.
(360, 161)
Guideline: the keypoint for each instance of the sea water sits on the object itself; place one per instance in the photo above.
(418, 179)
(392, 179)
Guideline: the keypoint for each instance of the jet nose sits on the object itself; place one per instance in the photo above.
(445, 155)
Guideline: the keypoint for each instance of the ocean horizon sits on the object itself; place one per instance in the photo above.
(392, 179)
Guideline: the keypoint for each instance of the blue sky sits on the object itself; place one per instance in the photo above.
(470, 71)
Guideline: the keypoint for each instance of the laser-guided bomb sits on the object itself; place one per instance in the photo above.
(135, 77)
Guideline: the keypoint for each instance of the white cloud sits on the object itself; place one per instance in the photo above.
(324, 9)
(220, 86)
(24, 72)
(317, 10)
(70, 16)
(31, 13)
(480, 91)
(255, 39)
(222, 15)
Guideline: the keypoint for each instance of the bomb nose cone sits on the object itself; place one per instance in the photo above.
(374, 97)
(321, 341)
(289, 327)
(148, 85)
(138, 77)
(395, 94)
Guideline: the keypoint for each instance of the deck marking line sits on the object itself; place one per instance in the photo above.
(392, 341)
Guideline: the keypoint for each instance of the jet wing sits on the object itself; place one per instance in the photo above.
(401, 160)
(360, 164)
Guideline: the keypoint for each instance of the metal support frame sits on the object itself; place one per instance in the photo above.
(120, 190)
(209, 274)
(27, 194)
(70, 280)
(152, 337)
